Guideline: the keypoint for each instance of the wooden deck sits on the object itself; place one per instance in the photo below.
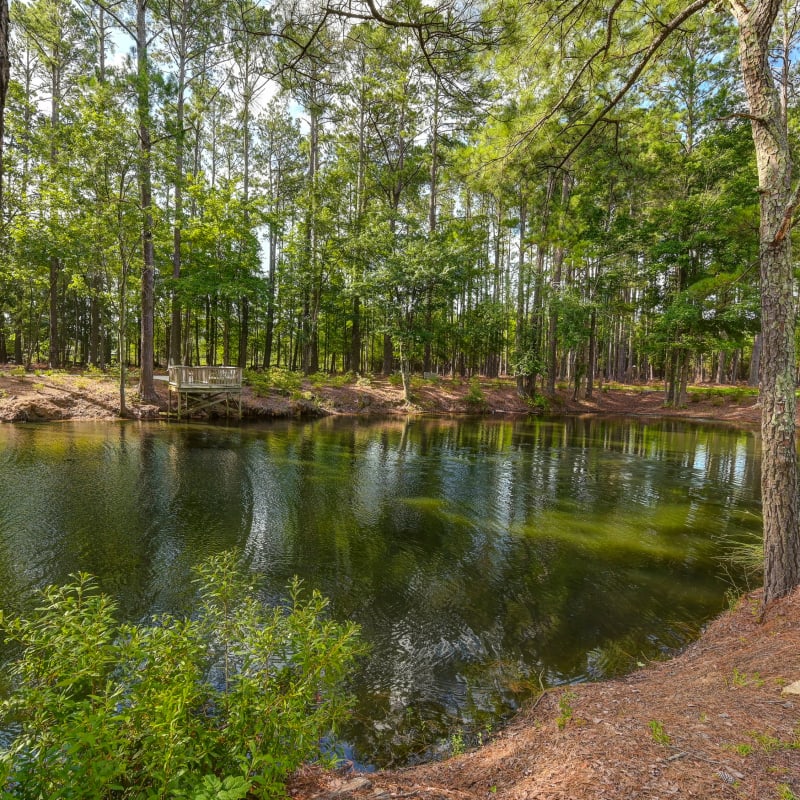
(199, 388)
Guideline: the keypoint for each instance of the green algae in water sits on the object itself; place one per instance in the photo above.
(483, 559)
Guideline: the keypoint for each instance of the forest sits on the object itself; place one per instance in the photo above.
(347, 189)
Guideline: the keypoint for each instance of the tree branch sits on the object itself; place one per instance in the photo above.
(666, 31)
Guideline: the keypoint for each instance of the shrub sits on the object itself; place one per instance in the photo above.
(279, 380)
(475, 398)
(540, 402)
(222, 704)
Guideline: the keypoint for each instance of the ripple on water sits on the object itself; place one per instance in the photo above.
(480, 558)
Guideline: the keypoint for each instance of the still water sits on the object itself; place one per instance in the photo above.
(482, 559)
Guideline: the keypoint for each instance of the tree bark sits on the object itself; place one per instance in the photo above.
(519, 335)
(558, 263)
(592, 358)
(755, 362)
(175, 349)
(5, 78)
(147, 390)
(779, 480)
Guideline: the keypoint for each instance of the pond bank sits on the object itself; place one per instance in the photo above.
(710, 723)
(43, 396)
(713, 722)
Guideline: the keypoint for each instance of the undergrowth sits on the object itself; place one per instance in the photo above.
(224, 704)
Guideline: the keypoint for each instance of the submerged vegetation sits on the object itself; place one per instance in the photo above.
(221, 705)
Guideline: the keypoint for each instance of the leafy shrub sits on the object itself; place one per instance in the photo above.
(320, 379)
(475, 398)
(283, 381)
(222, 704)
(540, 402)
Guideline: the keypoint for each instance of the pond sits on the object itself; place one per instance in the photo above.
(483, 559)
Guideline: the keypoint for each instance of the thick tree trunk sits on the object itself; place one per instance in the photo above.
(779, 480)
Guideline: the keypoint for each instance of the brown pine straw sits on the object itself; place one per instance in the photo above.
(711, 722)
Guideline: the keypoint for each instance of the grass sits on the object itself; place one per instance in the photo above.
(719, 394)
(319, 379)
(743, 557)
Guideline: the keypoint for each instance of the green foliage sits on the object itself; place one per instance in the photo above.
(658, 733)
(540, 402)
(232, 788)
(565, 710)
(219, 705)
(283, 381)
(743, 560)
(475, 398)
(457, 746)
(734, 393)
(744, 679)
(319, 379)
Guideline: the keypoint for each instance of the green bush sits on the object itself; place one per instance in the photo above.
(323, 379)
(219, 705)
(279, 380)
(540, 402)
(475, 398)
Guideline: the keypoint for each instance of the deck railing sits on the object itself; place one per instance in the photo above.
(182, 378)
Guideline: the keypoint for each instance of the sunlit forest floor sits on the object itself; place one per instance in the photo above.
(713, 722)
(42, 395)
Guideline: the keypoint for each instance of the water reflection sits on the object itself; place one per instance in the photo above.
(481, 558)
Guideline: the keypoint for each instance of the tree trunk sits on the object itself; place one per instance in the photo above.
(592, 355)
(558, 263)
(755, 362)
(244, 333)
(147, 390)
(779, 483)
(175, 355)
(388, 354)
(519, 336)
(721, 374)
(5, 77)
(270, 323)
(355, 337)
